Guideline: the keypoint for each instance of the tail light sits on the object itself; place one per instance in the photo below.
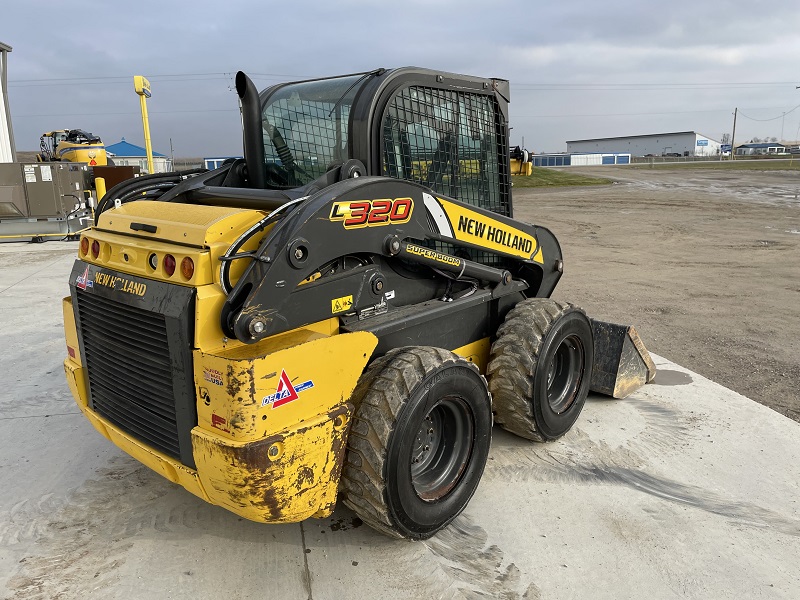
(169, 265)
(187, 267)
(95, 249)
(84, 246)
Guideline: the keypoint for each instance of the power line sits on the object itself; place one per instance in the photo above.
(781, 116)
(116, 79)
(517, 85)
(107, 77)
(128, 113)
(640, 114)
(653, 84)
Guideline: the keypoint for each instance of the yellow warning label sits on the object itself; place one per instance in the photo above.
(341, 304)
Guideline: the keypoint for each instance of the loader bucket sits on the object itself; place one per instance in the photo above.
(621, 362)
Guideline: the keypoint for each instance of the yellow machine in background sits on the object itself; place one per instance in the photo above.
(72, 145)
(521, 163)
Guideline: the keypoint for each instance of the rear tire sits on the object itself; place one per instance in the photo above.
(419, 441)
(540, 368)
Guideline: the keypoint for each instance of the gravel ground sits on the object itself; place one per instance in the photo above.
(705, 264)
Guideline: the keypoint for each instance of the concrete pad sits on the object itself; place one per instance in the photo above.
(685, 489)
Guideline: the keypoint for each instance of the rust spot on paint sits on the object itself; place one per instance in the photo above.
(298, 481)
(305, 477)
(238, 421)
(234, 383)
(251, 399)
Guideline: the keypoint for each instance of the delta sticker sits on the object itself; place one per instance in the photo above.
(82, 281)
(286, 392)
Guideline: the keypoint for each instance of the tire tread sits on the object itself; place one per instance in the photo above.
(382, 391)
(512, 363)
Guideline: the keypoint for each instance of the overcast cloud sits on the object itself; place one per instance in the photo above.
(578, 69)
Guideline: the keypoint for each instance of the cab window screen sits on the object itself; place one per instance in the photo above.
(449, 141)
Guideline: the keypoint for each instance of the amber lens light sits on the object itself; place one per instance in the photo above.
(85, 246)
(95, 249)
(169, 265)
(187, 267)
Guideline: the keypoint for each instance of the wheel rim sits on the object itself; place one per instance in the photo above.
(564, 374)
(441, 449)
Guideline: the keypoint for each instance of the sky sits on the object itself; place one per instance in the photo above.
(578, 68)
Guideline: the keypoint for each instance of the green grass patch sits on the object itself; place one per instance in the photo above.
(545, 177)
(728, 165)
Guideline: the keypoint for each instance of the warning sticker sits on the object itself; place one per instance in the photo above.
(30, 174)
(341, 304)
(47, 174)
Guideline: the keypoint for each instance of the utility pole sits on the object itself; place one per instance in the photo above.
(782, 119)
(733, 135)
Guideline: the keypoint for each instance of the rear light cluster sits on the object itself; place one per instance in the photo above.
(95, 250)
(169, 263)
(91, 248)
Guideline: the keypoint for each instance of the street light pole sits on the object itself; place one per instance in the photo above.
(142, 87)
(733, 135)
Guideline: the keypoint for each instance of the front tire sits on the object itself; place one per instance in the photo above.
(419, 441)
(540, 368)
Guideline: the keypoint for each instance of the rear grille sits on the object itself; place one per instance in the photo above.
(130, 374)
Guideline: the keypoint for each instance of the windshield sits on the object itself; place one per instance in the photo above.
(305, 128)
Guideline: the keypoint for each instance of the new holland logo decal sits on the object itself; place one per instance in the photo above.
(286, 392)
(82, 281)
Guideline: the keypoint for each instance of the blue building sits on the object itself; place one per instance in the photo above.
(125, 154)
(761, 148)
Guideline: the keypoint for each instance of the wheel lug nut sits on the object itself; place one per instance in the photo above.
(430, 430)
(427, 448)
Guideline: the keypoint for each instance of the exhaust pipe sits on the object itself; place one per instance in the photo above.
(253, 140)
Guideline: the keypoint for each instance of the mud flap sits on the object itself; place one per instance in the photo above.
(621, 362)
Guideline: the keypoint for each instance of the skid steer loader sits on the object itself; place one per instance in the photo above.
(321, 318)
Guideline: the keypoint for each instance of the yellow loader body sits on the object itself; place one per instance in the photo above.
(272, 417)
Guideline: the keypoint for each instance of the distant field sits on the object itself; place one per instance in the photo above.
(782, 164)
(545, 177)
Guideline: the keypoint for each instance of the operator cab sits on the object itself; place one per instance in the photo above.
(444, 131)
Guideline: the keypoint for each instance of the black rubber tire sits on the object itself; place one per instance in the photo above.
(419, 441)
(540, 368)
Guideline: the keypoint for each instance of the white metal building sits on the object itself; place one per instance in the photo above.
(7, 153)
(681, 143)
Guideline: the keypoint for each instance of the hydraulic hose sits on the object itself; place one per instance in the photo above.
(123, 189)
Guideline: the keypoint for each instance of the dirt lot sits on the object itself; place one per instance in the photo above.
(705, 264)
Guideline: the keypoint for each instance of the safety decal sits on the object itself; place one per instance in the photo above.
(82, 281)
(212, 376)
(286, 392)
(219, 423)
(341, 304)
(355, 214)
